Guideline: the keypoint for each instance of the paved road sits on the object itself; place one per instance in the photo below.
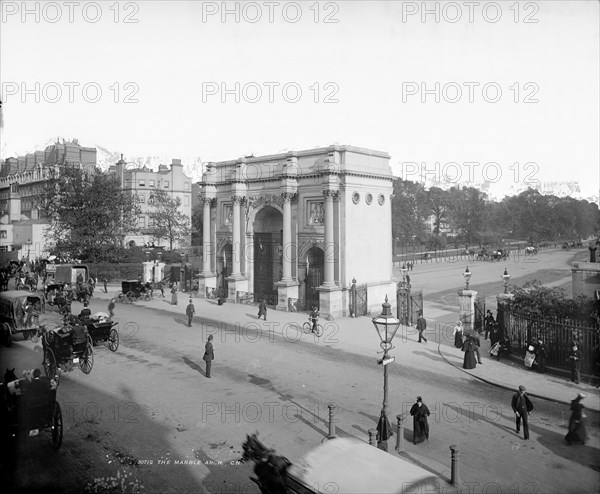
(150, 402)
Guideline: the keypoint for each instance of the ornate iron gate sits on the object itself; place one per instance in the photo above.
(479, 319)
(409, 303)
(358, 300)
(265, 260)
(416, 305)
(314, 278)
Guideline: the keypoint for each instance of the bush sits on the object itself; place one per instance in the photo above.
(537, 301)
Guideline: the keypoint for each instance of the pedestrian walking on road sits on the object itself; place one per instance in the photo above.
(468, 347)
(489, 324)
(421, 327)
(522, 406)
(209, 354)
(574, 359)
(174, 295)
(577, 433)
(111, 308)
(262, 309)
(419, 411)
(190, 310)
(541, 356)
(458, 334)
(476, 346)
(105, 281)
(161, 286)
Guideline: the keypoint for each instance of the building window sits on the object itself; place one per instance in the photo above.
(142, 183)
(186, 185)
(150, 221)
(142, 222)
(186, 201)
(151, 183)
(166, 184)
(141, 198)
(2, 233)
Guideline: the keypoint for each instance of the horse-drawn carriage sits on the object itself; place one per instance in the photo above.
(132, 290)
(103, 330)
(67, 345)
(29, 406)
(338, 465)
(19, 313)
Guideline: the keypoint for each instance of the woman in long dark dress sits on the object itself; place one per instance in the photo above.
(470, 362)
(577, 432)
(458, 335)
(419, 411)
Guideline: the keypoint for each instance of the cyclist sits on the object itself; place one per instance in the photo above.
(314, 317)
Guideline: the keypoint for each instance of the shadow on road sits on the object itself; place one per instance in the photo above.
(193, 365)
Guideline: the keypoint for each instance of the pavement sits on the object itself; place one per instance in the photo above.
(357, 335)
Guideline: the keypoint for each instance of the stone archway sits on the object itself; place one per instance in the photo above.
(224, 266)
(314, 266)
(267, 250)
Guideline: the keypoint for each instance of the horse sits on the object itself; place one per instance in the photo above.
(270, 468)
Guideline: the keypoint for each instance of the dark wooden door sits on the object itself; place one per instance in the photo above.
(314, 277)
(265, 248)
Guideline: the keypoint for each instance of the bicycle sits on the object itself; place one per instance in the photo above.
(308, 328)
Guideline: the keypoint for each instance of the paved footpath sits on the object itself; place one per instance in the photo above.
(357, 335)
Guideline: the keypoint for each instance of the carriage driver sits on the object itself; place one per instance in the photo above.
(85, 313)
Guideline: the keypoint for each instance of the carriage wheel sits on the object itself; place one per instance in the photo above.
(49, 363)
(6, 333)
(130, 297)
(57, 426)
(113, 340)
(86, 362)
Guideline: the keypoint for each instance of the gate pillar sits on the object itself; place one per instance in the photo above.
(502, 300)
(467, 309)
(285, 291)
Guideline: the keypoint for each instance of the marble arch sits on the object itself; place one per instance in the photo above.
(336, 198)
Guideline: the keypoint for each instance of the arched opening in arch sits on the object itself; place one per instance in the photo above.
(224, 265)
(315, 261)
(268, 250)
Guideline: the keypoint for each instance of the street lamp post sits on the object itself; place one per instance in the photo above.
(182, 273)
(505, 278)
(404, 312)
(467, 277)
(386, 325)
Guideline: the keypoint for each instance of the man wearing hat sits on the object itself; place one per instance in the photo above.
(522, 406)
(189, 312)
(209, 354)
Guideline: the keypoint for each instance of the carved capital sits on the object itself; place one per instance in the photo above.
(334, 194)
(289, 196)
(207, 200)
(238, 199)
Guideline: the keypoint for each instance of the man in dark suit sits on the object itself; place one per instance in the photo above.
(190, 310)
(421, 327)
(209, 354)
(522, 406)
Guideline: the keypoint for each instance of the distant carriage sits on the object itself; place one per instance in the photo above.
(531, 250)
(19, 313)
(132, 290)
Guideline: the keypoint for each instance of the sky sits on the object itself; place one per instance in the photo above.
(506, 91)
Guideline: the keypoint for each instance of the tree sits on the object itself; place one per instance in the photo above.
(197, 224)
(408, 210)
(169, 222)
(439, 205)
(89, 213)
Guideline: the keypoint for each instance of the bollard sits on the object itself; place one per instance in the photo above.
(372, 437)
(331, 435)
(454, 470)
(400, 434)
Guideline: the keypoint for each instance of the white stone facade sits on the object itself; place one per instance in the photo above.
(301, 226)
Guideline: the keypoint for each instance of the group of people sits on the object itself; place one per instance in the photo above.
(522, 406)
